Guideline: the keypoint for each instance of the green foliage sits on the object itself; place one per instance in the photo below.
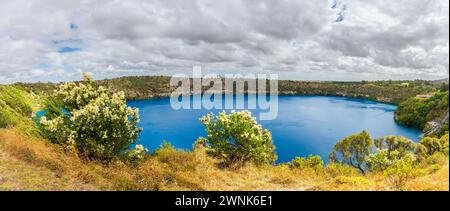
(444, 87)
(311, 162)
(401, 171)
(399, 144)
(16, 98)
(435, 159)
(445, 144)
(237, 139)
(385, 91)
(143, 87)
(135, 155)
(353, 150)
(435, 145)
(15, 106)
(444, 129)
(6, 117)
(88, 117)
(416, 112)
(380, 160)
(180, 160)
(391, 150)
(383, 159)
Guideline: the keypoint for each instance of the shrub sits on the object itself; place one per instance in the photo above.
(445, 144)
(16, 99)
(383, 159)
(353, 150)
(98, 124)
(311, 162)
(434, 145)
(6, 118)
(136, 155)
(434, 168)
(379, 161)
(437, 158)
(401, 171)
(338, 169)
(237, 139)
(14, 106)
(178, 160)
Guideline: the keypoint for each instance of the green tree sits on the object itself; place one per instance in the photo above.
(237, 138)
(353, 150)
(434, 145)
(395, 143)
(98, 124)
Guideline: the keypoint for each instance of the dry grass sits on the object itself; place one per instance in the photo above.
(30, 163)
(45, 162)
(55, 168)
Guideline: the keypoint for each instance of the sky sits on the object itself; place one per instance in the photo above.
(54, 40)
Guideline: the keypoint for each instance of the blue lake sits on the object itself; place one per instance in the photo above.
(305, 124)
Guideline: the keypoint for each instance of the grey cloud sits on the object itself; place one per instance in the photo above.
(297, 39)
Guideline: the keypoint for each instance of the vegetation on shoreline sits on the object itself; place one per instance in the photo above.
(147, 87)
(398, 164)
(419, 112)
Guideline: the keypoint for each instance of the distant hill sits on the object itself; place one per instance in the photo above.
(147, 87)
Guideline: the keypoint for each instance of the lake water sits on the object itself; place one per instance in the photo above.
(305, 124)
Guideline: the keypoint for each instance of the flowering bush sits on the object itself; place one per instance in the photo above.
(237, 138)
(380, 160)
(137, 154)
(98, 124)
(401, 170)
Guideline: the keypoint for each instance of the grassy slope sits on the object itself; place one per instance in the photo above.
(29, 163)
(54, 168)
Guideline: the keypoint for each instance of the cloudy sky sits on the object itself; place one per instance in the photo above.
(54, 40)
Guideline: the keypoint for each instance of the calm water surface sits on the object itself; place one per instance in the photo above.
(305, 124)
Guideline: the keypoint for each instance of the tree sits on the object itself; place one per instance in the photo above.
(395, 143)
(434, 145)
(237, 138)
(353, 150)
(99, 125)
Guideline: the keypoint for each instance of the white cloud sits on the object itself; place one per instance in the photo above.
(404, 39)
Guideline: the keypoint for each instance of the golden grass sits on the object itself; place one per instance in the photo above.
(31, 163)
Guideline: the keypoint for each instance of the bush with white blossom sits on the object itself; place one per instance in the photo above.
(237, 138)
(137, 154)
(99, 124)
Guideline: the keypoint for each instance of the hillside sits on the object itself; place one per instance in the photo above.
(30, 162)
(429, 114)
(15, 106)
(146, 87)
